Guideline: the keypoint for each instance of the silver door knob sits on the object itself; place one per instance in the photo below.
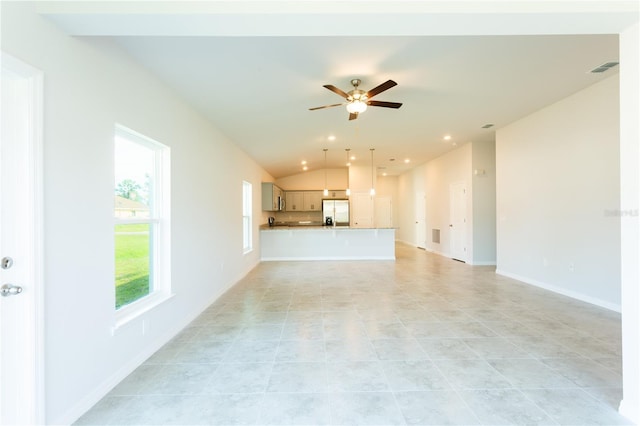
(6, 262)
(10, 290)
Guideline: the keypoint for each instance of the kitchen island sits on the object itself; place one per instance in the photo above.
(326, 243)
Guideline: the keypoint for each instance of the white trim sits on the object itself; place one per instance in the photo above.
(137, 221)
(409, 243)
(38, 241)
(306, 258)
(559, 290)
(439, 253)
(133, 310)
(35, 79)
(100, 391)
(443, 254)
(629, 90)
(629, 409)
(483, 263)
(159, 226)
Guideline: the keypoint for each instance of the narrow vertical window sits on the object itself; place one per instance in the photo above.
(246, 217)
(141, 212)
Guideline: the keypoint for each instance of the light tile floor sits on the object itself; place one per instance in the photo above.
(423, 340)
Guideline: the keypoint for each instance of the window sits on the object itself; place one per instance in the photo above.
(141, 211)
(246, 217)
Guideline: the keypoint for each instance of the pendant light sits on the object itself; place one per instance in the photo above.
(373, 190)
(326, 190)
(348, 191)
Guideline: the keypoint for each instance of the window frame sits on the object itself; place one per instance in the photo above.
(159, 221)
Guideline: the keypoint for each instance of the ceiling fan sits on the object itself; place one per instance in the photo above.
(357, 99)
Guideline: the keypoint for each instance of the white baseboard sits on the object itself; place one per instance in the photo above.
(106, 386)
(563, 291)
(440, 253)
(630, 410)
(307, 258)
(92, 398)
(483, 263)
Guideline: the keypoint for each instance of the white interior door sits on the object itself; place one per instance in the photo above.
(21, 324)
(421, 223)
(458, 221)
(361, 210)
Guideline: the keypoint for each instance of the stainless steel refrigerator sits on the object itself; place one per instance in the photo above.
(337, 210)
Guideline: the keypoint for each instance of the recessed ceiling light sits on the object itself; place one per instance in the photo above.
(353, 157)
(406, 161)
(384, 174)
(304, 168)
(331, 138)
(447, 137)
(303, 162)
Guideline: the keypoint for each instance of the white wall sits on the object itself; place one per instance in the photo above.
(314, 180)
(557, 180)
(387, 186)
(434, 180)
(360, 178)
(405, 215)
(630, 227)
(483, 164)
(90, 86)
(453, 167)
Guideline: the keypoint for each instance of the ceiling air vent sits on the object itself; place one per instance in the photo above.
(604, 67)
(487, 126)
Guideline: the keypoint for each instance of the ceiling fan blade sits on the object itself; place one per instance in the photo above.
(353, 116)
(381, 88)
(334, 89)
(385, 104)
(325, 106)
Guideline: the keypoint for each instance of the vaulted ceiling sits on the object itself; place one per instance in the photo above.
(255, 68)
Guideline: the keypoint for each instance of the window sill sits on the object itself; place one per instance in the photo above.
(247, 251)
(138, 308)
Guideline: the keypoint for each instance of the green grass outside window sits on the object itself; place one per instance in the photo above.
(132, 262)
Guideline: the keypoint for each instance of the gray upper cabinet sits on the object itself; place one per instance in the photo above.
(295, 201)
(272, 197)
(336, 195)
(304, 201)
(312, 201)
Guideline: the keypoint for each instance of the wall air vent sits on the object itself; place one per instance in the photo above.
(435, 236)
(604, 67)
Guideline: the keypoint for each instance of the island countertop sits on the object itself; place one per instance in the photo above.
(326, 243)
(266, 227)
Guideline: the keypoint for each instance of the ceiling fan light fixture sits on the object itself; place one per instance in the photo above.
(357, 100)
(356, 107)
